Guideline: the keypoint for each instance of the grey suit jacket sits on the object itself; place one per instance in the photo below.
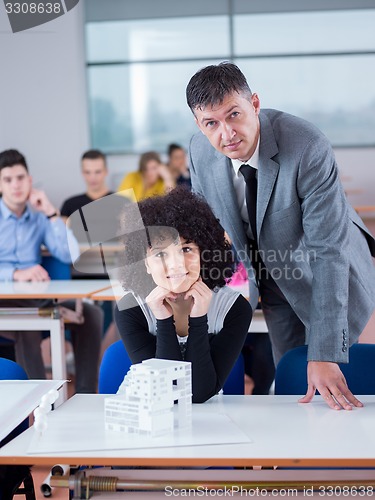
(312, 242)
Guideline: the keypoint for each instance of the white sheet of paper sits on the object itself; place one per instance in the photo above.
(18, 398)
(86, 432)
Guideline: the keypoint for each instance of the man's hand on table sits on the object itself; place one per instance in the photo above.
(327, 378)
(34, 273)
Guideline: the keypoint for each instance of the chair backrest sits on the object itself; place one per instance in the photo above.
(57, 269)
(235, 383)
(291, 372)
(10, 370)
(113, 368)
(116, 363)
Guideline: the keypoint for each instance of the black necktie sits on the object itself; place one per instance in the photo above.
(249, 174)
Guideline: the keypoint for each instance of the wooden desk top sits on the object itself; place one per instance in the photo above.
(364, 208)
(54, 289)
(114, 292)
(282, 432)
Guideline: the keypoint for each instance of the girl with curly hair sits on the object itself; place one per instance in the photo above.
(179, 308)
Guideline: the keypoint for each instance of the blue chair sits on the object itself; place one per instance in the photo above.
(116, 363)
(57, 269)
(291, 372)
(113, 368)
(235, 383)
(10, 370)
(12, 476)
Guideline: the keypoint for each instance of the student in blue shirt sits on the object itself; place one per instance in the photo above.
(27, 220)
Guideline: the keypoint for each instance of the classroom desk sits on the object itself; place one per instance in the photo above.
(282, 433)
(364, 208)
(54, 290)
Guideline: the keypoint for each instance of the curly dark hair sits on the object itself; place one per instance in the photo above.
(178, 213)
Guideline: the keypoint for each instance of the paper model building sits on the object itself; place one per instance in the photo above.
(144, 403)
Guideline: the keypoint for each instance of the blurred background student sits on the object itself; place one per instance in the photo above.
(94, 172)
(178, 165)
(152, 178)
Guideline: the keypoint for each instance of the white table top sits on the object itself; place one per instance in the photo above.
(19, 398)
(114, 292)
(282, 431)
(54, 289)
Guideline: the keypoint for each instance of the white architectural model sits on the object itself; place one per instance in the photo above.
(144, 403)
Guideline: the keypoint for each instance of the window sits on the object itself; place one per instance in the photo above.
(141, 107)
(158, 39)
(336, 93)
(319, 65)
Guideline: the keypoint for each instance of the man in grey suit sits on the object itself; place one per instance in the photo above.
(307, 252)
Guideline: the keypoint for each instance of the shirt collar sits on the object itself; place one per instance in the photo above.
(253, 161)
(7, 214)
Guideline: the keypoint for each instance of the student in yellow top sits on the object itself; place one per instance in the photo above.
(153, 178)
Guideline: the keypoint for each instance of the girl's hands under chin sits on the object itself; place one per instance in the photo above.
(156, 300)
(201, 295)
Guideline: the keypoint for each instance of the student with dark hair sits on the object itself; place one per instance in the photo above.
(94, 171)
(152, 178)
(177, 164)
(12, 157)
(272, 180)
(28, 219)
(179, 307)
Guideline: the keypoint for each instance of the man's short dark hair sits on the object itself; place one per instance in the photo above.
(94, 154)
(210, 85)
(11, 157)
(174, 147)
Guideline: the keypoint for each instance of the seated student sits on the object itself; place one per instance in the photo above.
(94, 171)
(179, 308)
(27, 220)
(152, 178)
(177, 164)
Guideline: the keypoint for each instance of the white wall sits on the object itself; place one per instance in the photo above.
(43, 108)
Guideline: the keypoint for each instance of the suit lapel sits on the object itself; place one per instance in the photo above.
(222, 175)
(268, 169)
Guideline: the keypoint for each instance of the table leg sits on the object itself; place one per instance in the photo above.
(58, 360)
